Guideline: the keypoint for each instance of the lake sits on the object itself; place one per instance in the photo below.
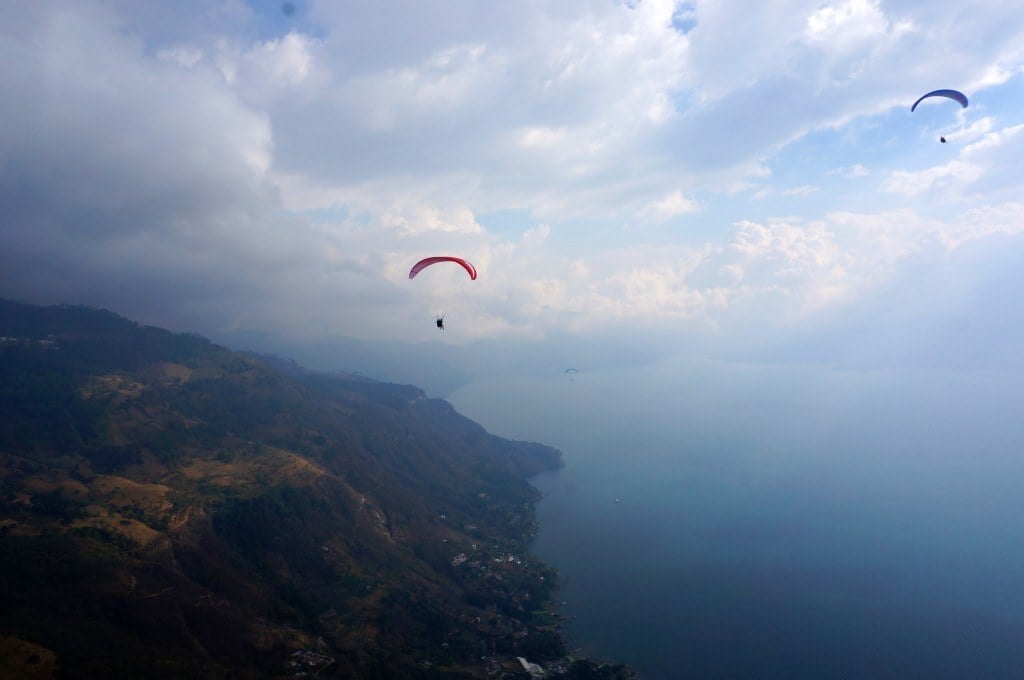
(749, 521)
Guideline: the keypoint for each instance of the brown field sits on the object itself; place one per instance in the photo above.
(177, 371)
(129, 528)
(110, 489)
(273, 466)
(112, 385)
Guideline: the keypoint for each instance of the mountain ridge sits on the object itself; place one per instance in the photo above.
(172, 507)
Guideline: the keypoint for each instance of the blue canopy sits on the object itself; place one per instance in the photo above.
(950, 94)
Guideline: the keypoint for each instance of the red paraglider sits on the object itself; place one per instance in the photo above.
(426, 262)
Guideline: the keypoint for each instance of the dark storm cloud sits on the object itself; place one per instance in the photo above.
(127, 181)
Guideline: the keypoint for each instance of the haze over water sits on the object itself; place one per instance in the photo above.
(731, 520)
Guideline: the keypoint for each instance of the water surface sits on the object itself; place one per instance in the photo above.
(722, 520)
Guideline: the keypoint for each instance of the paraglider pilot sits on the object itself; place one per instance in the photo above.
(440, 322)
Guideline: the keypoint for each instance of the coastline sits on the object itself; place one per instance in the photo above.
(573, 663)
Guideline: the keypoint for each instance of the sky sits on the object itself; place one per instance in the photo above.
(631, 178)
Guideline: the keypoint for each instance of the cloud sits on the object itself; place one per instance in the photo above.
(991, 160)
(913, 183)
(982, 223)
(843, 24)
(802, 262)
(993, 139)
(211, 169)
(850, 172)
(273, 68)
(672, 205)
(442, 85)
(150, 144)
(420, 218)
(802, 190)
(145, 190)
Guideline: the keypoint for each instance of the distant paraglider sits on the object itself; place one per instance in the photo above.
(426, 262)
(571, 372)
(949, 94)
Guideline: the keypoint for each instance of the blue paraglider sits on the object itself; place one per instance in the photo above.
(949, 94)
(955, 95)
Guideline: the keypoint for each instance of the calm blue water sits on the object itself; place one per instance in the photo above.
(737, 521)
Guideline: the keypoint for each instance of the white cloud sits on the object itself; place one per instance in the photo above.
(541, 137)
(979, 223)
(444, 82)
(991, 139)
(672, 205)
(845, 23)
(991, 159)
(850, 172)
(537, 235)
(796, 249)
(913, 183)
(414, 219)
(184, 55)
(281, 63)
